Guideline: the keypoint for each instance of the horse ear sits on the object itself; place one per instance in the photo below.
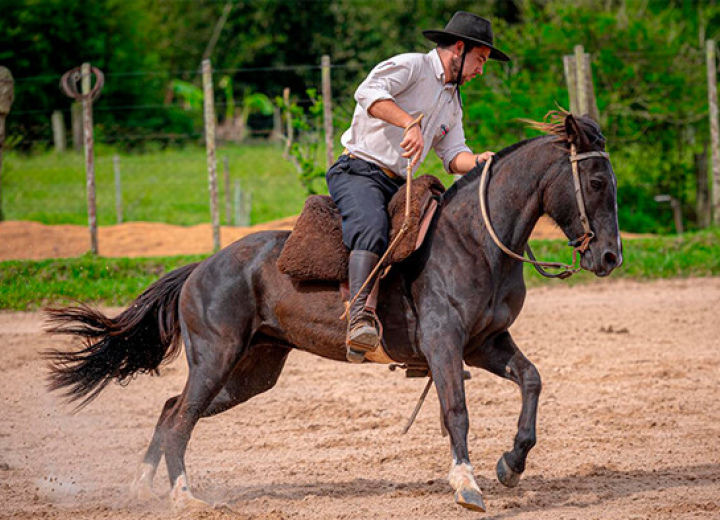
(574, 131)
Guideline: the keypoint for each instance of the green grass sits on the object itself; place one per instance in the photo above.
(169, 186)
(694, 254)
(166, 186)
(116, 281)
(106, 281)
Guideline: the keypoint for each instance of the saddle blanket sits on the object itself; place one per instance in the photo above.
(315, 249)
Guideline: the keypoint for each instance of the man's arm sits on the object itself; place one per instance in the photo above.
(466, 161)
(390, 112)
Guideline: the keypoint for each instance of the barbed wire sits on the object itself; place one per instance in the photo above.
(546, 55)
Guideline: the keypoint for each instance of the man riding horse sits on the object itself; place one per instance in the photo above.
(406, 106)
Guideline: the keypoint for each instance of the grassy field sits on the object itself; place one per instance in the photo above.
(30, 285)
(166, 186)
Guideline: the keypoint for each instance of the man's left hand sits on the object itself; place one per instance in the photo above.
(482, 157)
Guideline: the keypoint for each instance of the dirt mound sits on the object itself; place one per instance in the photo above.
(20, 240)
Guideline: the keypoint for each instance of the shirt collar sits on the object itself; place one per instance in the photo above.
(437, 65)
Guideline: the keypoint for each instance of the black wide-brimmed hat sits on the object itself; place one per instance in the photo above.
(470, 28)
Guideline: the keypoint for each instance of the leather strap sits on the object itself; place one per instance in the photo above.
(581, 243)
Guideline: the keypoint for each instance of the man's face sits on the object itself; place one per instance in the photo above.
(474, 61)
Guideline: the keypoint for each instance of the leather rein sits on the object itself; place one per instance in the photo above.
(580, 244)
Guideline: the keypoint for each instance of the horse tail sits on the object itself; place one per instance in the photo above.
(136, 341)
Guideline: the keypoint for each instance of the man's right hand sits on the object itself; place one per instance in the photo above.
(413, 144)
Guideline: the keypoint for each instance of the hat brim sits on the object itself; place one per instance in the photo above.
(448, 36)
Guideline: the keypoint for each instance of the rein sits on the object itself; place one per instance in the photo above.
(403, 229)
(580, 244)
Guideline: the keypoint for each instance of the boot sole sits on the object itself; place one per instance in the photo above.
(364, 341)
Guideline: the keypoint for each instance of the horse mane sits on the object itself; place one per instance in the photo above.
(473, 174)
(553, 125)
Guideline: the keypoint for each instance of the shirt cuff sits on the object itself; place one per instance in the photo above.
(370, 96)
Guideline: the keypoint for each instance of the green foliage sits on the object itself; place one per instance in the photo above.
(258, 102)
(649, 71)
(647, 56)
(190, 95)
(42, 39)
(304, 152)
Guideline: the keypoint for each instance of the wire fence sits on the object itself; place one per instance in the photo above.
(153, 174)
(160, 175)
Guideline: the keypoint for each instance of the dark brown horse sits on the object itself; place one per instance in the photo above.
(450, 303)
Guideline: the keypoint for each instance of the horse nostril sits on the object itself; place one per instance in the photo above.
(610, 259)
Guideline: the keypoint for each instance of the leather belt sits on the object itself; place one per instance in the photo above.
(386, 171)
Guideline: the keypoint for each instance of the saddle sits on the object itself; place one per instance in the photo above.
(315, 248)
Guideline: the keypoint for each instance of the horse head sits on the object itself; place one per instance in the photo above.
(588, 218)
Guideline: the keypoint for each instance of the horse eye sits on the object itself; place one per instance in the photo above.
(596, 184)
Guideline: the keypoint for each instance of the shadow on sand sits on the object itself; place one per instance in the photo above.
(585, 489)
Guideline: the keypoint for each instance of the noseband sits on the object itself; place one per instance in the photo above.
(580, 244)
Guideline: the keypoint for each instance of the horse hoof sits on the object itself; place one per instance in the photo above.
(471, 499)
(143, 494)
(506, 476)
(191, 504)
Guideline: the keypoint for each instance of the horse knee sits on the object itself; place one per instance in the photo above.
(531, 380)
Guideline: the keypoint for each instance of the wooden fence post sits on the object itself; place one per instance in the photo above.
(288, 123)
(243, 206)
(581, 93)
(714, 128)
(76, 125)
(89, 156)
(327, 110)
(87, 94)
(228, 205)
(238, 196)
(578, 77)
(118, 190)
(277, 134)
(7, 95)
(58, 129)
(209, 104)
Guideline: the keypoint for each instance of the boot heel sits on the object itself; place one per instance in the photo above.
(354, 356)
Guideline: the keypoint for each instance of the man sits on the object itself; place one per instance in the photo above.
(386, 133)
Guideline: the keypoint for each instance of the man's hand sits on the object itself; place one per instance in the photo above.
(466, 161)
(482, 157)
(413, 144)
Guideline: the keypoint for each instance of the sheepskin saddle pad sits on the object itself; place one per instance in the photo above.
(315, 248)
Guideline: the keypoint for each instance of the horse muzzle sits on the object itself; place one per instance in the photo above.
(602, 259)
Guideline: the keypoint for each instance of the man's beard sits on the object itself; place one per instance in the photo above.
(455, 69)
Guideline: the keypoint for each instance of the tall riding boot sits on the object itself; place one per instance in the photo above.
(362, 333)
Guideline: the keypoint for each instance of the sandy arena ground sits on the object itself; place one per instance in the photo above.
(628, 426)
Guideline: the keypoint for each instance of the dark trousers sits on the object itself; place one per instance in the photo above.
(362, 193)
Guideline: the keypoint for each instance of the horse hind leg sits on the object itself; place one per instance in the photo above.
(142, 485)
(257, 371)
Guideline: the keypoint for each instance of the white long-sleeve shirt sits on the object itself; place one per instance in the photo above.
(416, 82)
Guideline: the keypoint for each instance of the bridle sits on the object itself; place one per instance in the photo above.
(580, 244)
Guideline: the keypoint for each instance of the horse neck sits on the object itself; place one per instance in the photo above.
(514, 195)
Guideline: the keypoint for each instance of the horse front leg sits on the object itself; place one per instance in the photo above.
(446, 367)
(503, 358)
